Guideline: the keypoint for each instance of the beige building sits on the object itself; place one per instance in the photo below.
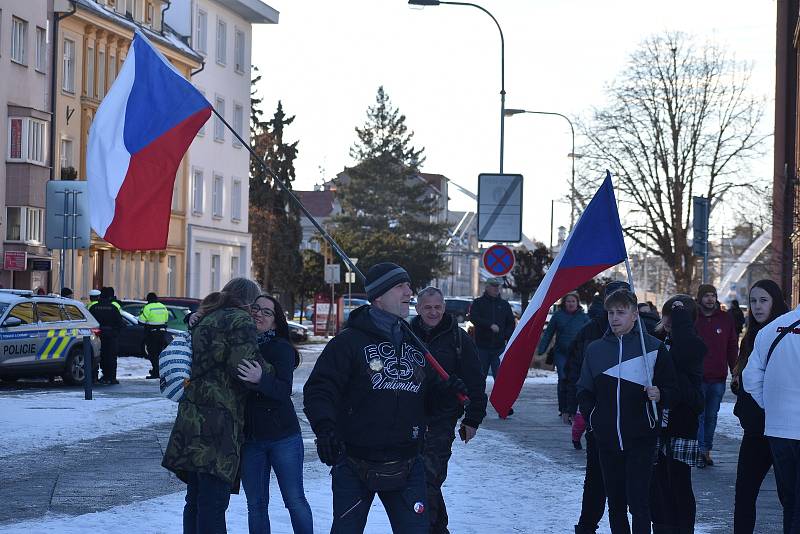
(93, 40)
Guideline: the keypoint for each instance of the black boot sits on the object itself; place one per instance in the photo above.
(582, 530)
(664, 529)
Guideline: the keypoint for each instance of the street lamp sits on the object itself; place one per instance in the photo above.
(572, 155)
(423, 3)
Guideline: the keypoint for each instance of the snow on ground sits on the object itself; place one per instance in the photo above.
(727, 423)
(541, 376)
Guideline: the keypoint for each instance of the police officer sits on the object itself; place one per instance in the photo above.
(365, 400)
(454, 349)
(94, 296)
(154, 317)
(107, 314)
(66, 292)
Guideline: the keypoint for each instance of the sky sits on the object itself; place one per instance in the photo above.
(441, 67)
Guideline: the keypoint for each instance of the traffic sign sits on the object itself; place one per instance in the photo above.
(498, 260)
(500, 207)
(332, 274)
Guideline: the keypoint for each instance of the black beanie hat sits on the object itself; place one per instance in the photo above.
(615, 285)
(383, 277)
(705, 288)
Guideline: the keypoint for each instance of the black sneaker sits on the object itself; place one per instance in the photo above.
(511, 411)
(709, 461)
(577, 445)
(701, 461)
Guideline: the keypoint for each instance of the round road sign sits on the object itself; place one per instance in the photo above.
(498, 260)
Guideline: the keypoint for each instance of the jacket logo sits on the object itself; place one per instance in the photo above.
(390, 372)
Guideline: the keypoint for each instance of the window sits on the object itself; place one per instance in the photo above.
(13, 224)
(197, 191)
(222, 31)
(23, 312)
(172, 275)
(215, 272)
(41, 49)
(66, 153)
(19, 38)
(234, 266)
(101, 74)
(129, 8)
(219, 127)
(238, 123)
(148, 15)
(198, 262)
(68, 81)
(50, 312)
(74, 313)
(238, 52)
(34, 230)
(25, 224)
(26, 140)
(89, 90)
(112, 69)
(236, 200)
(202, 131)
(216, 196)
(202, 32)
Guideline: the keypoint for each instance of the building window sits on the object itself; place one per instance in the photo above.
(68, 81)
(26, 140)
(202, 131)
(101, 74)
(238, 51)
(172, 275)
(219, 127)
(112, 69)
(198, 262)
(66, 154)
(41, 49)
(238, 123)
(25, 224)
(236, 200)
(149, 13)
(19, 38)
(215, 272)
(216, 196)
(234, 266)
(129, 8)
(197, 191)
(222, 33)
(89, 90)
(202, 32)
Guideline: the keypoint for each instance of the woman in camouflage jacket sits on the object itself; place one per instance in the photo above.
(204, 446)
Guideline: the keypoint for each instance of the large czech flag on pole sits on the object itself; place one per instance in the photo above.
(138, 137)
(594, 245)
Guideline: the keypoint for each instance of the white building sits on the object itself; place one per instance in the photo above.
(217, 196)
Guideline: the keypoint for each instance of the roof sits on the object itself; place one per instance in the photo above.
(318, 203)
(254, 11)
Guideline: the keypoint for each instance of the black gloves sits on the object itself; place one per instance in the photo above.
(457, 386)
(329, 448)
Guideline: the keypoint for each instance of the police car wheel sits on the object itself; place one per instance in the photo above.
(73, 371)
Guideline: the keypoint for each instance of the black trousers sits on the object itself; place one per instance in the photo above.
(672, 502)
(626, 477)
(154, 343)
(593, 505)
(436, 454)
(755, 460)
(109, 348)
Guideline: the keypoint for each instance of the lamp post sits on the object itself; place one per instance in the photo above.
(423, 3)
(572, 155)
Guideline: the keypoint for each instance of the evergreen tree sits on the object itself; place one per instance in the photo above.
(530, 266)
(388, 209)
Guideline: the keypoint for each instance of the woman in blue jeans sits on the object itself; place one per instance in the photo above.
(272, 431)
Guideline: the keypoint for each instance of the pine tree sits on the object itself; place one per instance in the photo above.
(387, 207)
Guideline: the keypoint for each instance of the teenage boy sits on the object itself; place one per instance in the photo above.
(617, 387)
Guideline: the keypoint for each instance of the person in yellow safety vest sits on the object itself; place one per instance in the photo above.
(154, 317)
(94, 296)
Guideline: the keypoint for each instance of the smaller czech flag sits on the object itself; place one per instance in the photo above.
(138, 137)
(594, 245)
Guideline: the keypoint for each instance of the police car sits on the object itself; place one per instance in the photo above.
(43, 336)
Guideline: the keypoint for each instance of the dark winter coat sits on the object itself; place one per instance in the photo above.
(270, 414)
(486, 311)
(719, 334)
(369, 391)
(687, 351)
(107, 315)
(611, 389)
(565, 326)
(751, 415)
(457, 353)
(208, 431)
(650, 321)
(591, 331)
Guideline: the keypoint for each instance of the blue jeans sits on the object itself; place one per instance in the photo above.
(351, 502)
(786, 462)
(713, 392)
(286, 457)
(207, 500)
(490, 358)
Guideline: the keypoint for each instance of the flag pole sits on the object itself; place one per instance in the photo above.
(641, 339)
(335, 246)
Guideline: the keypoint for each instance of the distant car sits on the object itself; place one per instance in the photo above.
(352, 304)
(458, 307)
(297, 332)
(516, 307)
(177, 314)
(43, 336)
(185, 302)
(131, 337)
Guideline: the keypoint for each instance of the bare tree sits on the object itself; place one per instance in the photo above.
(680, 122)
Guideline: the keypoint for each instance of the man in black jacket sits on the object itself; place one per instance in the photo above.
(494, 323)
(111, 322)
(593, 503)
(365, 400)
(456, 352)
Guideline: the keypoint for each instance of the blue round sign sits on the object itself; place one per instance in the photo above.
(498, 260)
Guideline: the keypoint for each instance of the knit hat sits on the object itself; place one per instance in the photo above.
(383, 277)
(615, 285)
(705, 288)
(494, 281)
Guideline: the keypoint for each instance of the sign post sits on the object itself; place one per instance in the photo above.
(350, 278)
(332, 276)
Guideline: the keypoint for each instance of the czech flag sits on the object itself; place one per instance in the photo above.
(138, 137)
(594, 245)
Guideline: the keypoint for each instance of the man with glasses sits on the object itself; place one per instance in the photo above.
(454, 349)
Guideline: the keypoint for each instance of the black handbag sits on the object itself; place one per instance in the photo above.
(383, 476)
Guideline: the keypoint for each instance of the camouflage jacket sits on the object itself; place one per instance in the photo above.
(208, 430)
